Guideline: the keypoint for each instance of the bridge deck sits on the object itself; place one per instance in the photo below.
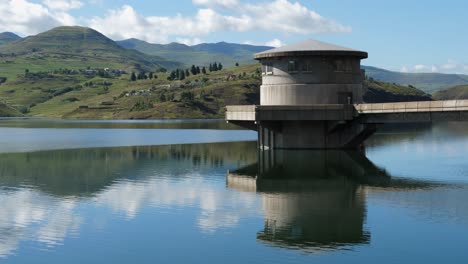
(426, 111)
(411, 107)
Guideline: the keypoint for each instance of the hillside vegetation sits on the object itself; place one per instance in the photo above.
(381, 92)
(8, 111)
(77, 95)
(73, 48)
(427, 82)
(453, 93)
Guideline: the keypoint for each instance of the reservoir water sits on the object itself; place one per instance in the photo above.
(199, 192)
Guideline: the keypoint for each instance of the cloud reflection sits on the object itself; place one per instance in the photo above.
(27, 214)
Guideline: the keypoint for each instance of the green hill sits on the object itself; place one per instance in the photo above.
(427, 82)
(66, 94)
(453, 93)
(381, 92)
(7, 37)
(203, 54)
(73, 48)
(8, 111)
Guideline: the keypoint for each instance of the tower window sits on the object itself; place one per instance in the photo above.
(267, 68)
(307, 67)
(292, 66)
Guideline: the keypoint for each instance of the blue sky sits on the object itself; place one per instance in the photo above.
(413, 36)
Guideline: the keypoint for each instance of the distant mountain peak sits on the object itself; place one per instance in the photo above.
(7, 37)
(10, 35)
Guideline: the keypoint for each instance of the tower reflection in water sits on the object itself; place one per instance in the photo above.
(313, 200)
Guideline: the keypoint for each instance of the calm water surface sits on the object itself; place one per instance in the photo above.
(198, 192)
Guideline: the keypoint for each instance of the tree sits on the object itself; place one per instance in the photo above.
(220, 66)
(198, 70)
(203, 70)
(186, 96)
(182, 75)
(26, 72)
(187, 73)
(140, 75)
(237, 64)
(193, 70)
(215, 66)
(133, 77)
(172, 76)
(150, 75)
(211, 67)
(177, 73)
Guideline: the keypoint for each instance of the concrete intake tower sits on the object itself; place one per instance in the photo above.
(306, 98)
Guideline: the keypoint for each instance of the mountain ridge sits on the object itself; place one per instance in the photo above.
(428, 82)
(201, 54)
(84, 44)
(7, 37)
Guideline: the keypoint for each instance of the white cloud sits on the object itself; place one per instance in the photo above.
(280, 16)
(189, 41)
(450, 67)
(227, 4)
(274, 43)
(287, 17)
(421, 67)
(63, 5)
(27, 18)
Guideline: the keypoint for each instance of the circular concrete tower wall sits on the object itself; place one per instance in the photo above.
(311, 73)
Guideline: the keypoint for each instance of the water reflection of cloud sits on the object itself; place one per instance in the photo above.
(30, 215)
(215, 204)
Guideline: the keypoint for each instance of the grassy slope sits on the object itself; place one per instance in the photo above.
(8, 111)
(72, 48)
(452, 93)
(39, 95)
(427, 82)
(379, 92)
(209, 99)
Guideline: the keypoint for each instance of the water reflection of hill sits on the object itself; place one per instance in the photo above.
(314, 200)
(83, 172)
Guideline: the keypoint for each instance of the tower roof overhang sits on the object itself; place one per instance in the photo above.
(310, 48)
